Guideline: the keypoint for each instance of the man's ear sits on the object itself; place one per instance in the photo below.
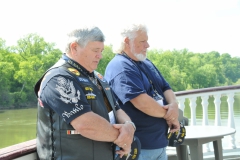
(127, 41)
(73, 47)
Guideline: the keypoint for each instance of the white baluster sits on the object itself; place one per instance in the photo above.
(181, 104)
(193, 110)
(205, 110)
(205, 117)
(231, 122)
(217, 102)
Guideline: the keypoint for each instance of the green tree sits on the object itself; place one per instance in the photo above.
(231, 68)
(6, 70)
(107, 55)
(22, 65)
(36, 57)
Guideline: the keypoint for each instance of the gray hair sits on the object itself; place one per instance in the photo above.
(131, 33)
(83, 36)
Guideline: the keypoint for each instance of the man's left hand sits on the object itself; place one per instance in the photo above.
(173, 125)
(172, 112)
(125, 138)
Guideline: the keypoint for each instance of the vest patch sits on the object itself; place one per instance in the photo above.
(83, 79)
(74, 71)
(100, 76)
(88, 89)
(67, 90)
(90, 95)
(72, 132)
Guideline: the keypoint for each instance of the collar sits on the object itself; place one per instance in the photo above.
(125, 55)
(76, 65)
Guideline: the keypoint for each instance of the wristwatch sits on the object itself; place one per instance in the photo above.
(131, 124)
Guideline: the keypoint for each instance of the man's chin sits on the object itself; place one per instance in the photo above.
(142, 59)
(140, 56)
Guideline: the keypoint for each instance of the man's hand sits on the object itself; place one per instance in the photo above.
(173, 125)
(172, 112)
(125, 138)
(172, 117)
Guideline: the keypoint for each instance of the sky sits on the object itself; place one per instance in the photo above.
(198, 25)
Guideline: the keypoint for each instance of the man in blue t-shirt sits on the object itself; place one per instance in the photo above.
(143, 93)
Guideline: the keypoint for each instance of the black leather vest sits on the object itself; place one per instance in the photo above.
(53, 142)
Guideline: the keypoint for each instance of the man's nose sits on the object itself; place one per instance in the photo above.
(147, 45)
(99, 55)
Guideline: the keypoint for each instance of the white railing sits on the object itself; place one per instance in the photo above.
(204, 94)
(29, 148)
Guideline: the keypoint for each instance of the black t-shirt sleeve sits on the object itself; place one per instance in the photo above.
(65, 97)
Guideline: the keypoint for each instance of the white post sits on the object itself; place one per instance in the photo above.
(193, 110)
(205, 110)
(181, 104)
(231, 122)
(217, 109)
(205, 117)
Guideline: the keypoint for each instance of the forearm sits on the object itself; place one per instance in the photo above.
(172, 112)
(170, 96)
(149, 106)
(122, 116)
(95, 127)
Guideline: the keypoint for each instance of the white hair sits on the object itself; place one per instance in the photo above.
(84, 35)
(128, 32)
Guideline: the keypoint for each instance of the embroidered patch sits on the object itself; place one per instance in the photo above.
(83, 79)
(67, 90)
(72, 132)
(90, 95)
(88, 89)
(100, 76)
(74, 71)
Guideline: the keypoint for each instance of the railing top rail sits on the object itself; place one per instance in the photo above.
(18, 150)
(204, 90)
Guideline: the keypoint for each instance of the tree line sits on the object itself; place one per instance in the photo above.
(22, 65)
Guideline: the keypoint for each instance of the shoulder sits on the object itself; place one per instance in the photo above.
(119, 59)
(60, 71)
(119, 64)
(59, 74)
(148, 62)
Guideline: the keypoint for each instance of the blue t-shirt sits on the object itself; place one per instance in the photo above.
(128, 80)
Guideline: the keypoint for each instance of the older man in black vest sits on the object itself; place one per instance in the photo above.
(78, 117)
